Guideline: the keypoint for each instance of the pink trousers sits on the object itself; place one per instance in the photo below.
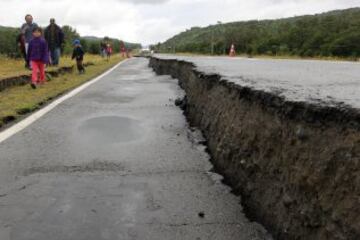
(38, 67)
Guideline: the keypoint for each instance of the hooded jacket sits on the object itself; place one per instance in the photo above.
(38, 50)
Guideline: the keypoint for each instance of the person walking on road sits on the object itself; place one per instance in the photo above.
(109, 51)
(38, 55)
(78, 54)
(27, 31)
(55, 39)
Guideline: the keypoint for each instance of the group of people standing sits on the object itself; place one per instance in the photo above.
(53, 35)
(41, 48)
(105, 50)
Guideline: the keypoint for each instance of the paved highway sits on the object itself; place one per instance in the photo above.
(327, 83)
(116, 161)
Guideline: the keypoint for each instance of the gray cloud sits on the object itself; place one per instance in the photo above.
(145, 1)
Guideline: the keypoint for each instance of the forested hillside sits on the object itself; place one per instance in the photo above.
(335, 33)
(8, 44)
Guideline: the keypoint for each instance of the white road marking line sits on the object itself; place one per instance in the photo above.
(7, 133)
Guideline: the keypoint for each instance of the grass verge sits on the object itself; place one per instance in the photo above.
(15, 67)
(18, 101)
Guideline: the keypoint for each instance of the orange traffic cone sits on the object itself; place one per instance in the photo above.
(232, 51)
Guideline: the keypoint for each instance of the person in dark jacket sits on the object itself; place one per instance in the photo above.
(78, 54)
(55, 39)
(38, 55)
(20, 40)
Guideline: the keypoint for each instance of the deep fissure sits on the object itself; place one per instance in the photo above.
(294, 163)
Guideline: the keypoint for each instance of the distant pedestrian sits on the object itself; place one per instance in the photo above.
(55, 39)
(103, 49)
(109, 51)
(232, 51)
(27, 30)
(78, 54)
(38, 56)
(123, 49)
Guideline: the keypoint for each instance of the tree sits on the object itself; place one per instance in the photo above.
(70, 35)
(8, 45)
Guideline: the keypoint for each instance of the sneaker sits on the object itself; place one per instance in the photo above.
(33, 86)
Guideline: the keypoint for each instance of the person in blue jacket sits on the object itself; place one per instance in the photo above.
(78, 55)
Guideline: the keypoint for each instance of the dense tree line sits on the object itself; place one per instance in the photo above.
(8, 45)
(335, 33)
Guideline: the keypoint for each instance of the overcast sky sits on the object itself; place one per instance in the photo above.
(151, 21)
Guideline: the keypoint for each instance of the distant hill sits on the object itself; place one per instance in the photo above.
(92, 38)
(2, 28)
(335, 33)
(127, 44)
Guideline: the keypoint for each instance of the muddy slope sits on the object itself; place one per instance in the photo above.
(296, 165)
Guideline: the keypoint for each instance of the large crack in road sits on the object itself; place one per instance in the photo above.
(295, 161)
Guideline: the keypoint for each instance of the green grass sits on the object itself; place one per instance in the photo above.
(11, 67)
(19, 100)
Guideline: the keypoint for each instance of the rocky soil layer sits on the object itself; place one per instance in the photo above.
(296, 164)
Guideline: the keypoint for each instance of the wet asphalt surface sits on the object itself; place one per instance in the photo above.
(326, 83)
(117, 161)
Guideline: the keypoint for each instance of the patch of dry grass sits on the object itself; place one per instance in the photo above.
(19, 100)
(15, 67)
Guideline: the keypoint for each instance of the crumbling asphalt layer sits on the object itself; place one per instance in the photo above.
(327, 83)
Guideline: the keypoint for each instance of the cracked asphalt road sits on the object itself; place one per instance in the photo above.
(328, 83)
(117, 161)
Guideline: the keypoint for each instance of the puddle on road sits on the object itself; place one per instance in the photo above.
(110, 129)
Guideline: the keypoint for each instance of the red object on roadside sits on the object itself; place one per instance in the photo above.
(123, 50)
(232, 51)
(109, 49)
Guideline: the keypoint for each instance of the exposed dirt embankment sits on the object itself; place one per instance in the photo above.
(296, 165)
